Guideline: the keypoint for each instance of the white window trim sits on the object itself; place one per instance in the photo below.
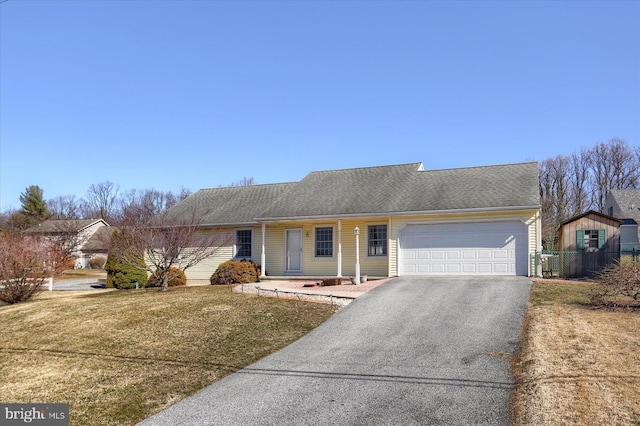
(376, 256)
(235, 244)
(333, 242)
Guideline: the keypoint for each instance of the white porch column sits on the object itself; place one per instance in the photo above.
(357, 232)
(339, 248)
(263, 255)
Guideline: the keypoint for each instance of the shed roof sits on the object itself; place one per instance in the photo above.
(589, 213)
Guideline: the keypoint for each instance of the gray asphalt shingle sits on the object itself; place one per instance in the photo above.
(371, 190)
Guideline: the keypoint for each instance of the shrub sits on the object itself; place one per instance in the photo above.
(176, 278)
(97, 262)
(236, 272)
(25, 265)
(122, 275)
(70, 263)
(619, 285)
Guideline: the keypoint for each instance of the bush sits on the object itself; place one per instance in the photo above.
(619, 285)
(176, 278)
(122, 275)
(97, 262)
(25, 266)
(236, 272)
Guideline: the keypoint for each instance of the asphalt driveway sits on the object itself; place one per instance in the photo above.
(412, 351)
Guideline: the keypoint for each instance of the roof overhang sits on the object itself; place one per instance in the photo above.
(404, 213)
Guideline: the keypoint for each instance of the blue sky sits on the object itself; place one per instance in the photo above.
(165, 94)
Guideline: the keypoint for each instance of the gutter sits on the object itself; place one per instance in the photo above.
(403, 213)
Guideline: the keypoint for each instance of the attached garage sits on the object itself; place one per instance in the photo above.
(464, 248)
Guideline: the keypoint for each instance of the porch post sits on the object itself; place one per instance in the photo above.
(357, 232)
(339, 248)
(263, 255)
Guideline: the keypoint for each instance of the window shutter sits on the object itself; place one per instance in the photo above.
(580, 239)
(602, 238)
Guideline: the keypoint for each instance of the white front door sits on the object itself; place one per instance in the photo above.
(293, 250)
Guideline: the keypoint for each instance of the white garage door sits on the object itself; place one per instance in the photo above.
(478, 248)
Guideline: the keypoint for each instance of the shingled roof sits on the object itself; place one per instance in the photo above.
(397, 189)
(629, 202)
(61, 226)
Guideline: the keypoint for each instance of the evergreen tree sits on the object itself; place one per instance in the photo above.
(34, 209)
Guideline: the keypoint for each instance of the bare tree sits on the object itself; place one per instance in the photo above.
(579, 199)
(168, 241)
(25, 264)
(65, 207)
(66, 236)
(554, 192)
(141, 206)
(245, 181)
(613, 166)
(572, 185)
(102, 201)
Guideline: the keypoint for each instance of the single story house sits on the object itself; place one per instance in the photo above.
(410, 221)
(625, 204)
(84, 238)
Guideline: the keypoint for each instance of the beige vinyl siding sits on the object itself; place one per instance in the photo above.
(200, 273)
(369, 265)
(314, 266)
(274, 249)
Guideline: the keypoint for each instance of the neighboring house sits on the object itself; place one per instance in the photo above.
(86, 238)
(587, 242)
(475, 221)
(625, 204)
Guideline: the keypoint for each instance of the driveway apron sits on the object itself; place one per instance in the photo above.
(420, 350)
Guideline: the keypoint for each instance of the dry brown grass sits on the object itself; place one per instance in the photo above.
(120, 356)
(576, 365)
(75, 274)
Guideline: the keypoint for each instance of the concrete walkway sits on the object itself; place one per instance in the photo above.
(310, 290)
(412, 351)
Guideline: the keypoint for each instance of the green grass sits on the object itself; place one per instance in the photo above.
(119, 356)
(555, 292)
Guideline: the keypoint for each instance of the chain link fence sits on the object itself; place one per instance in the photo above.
(577, 264)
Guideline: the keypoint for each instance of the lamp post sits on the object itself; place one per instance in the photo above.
(357, 232)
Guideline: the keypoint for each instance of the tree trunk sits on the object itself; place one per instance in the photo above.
(165, 281)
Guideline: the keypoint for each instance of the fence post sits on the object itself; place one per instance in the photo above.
(51, 284)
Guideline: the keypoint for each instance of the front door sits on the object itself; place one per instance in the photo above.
(293, 251)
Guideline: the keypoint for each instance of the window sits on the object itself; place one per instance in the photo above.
(591, 239)
(324, 242)
(243, 243)
(377, 240)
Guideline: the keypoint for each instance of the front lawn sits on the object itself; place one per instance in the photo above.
(577, 364)
(119, 356)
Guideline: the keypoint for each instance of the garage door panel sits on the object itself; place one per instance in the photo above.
(469, 268)
(485, 254)
(485, 248)
(469, 254)
(454, 254)
(424, 254)
(485, 268)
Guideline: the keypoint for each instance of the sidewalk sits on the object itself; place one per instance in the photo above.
(310, 290)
